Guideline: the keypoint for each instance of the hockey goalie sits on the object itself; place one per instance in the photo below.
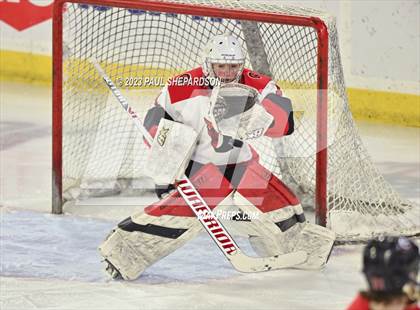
(202, 123)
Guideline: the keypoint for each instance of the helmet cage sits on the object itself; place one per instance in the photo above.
(210, 70)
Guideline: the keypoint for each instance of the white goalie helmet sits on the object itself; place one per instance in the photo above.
(223, 49)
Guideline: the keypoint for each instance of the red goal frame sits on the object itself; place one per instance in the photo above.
(209, 11)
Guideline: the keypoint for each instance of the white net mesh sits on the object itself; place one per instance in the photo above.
(140, 49)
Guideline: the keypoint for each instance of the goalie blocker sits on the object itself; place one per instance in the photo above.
(146, 237)
(170, 152)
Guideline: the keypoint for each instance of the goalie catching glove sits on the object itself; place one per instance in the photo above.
(236, 111)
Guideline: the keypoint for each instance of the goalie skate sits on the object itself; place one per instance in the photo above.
(112, 271)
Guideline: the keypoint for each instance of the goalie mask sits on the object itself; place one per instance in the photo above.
(224, 59)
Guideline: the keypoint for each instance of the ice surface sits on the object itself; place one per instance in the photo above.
(65, 247)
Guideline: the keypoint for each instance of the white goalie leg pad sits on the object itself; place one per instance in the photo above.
(285, 230)
(284, 240)
(170, 152)
(264, 230)
(317, 241)
(142, 240)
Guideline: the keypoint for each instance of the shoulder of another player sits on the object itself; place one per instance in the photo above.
(256, 80)
(359, 303)
(187, 85)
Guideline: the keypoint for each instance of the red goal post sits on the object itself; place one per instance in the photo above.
(199, 10)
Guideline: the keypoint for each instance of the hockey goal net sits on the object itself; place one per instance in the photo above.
(140, 44)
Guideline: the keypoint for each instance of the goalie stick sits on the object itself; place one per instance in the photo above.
(211, 224)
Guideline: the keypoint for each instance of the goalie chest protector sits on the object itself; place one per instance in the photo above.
(188, 103)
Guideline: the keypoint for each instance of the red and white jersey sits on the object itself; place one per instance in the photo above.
(186, 99)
